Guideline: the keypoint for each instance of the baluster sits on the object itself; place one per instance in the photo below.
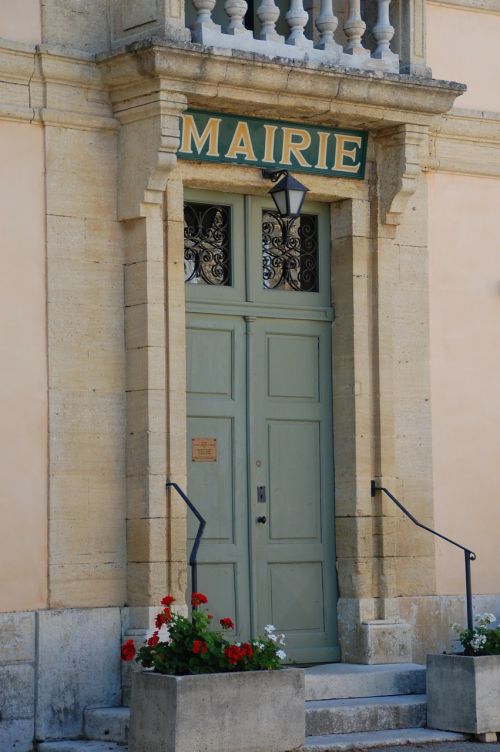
(297, 19)
(383, 31)
(268, 14)
(203, 21)
(354, 28)
(327, 23)
(236, 9)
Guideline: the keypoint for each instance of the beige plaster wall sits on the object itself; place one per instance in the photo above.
(23, 381)
(20, 20)
(462, 45)
(464, 228)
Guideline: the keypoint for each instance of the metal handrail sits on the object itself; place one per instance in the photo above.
(194, 551)
(468, 554)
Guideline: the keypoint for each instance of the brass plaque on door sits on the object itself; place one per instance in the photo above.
(204, 450)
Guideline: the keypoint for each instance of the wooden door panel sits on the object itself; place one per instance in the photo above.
(212, 483)
(294, 556)
(217, 410)
(294, 480)
(293, 383)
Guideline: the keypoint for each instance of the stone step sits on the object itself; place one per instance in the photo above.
(81, 745)
(371, 739)
(360, 714)
(107, 724)
(342, 680)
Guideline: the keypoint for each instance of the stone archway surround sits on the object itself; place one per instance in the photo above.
(380, 338)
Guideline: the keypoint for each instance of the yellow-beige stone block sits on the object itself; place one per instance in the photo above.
(87, 283)
(146, 410)
(103, 240)
(147, 540)
(146, 368)
(91, 367)
(86, 452)
(96, 497)
(147, 582)
(87, 540)
(355, 537)
(70, 195)
(84, 411)
(87, 585)
(144, 283)
(73, 325)
(146, 452)
(145, 325)
(415, 575)
(146, 496)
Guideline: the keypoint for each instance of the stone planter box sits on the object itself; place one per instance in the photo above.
(463, 693)
(248, 711)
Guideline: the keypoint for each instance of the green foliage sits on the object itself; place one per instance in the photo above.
(182, 646)
(483, 639)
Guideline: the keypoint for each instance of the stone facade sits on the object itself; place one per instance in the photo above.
(107, 83)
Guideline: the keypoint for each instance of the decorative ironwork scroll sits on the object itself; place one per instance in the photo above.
(207, 244)
(290, 252)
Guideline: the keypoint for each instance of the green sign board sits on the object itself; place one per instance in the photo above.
(272, 144)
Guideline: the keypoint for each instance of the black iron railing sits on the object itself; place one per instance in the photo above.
(468, 554)
(194, 551)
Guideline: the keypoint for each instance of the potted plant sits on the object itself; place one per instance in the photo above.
(463, 690)
(201, 692)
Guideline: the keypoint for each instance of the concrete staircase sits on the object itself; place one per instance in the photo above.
(348, 706)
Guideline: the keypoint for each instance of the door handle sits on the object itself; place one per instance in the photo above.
(262, 519)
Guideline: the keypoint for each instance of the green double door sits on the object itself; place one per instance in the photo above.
(260, 457)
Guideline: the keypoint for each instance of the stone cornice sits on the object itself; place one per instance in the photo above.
(292, 89)
(484, 6)
(466, 141)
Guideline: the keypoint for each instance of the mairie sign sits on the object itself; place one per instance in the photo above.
(272, 144)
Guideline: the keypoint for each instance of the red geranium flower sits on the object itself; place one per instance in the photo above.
(167, 613)
(168, 600)
(153, 640)
(160, 620)
(200, 647)
(210, 617)
(246, 649)
(198, 598)
(227, 623)
(233, 654)
(128, 650)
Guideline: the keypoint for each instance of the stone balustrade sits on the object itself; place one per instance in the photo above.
(296, 45)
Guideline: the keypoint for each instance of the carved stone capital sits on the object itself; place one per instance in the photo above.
(399, 154)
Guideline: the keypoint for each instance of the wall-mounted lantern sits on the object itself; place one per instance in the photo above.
(288, 195)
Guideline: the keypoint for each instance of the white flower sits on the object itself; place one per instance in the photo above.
(272, 637)
(281, 639)
(269, 628)
(259, 645)
(478, 641)
(456, 627)
(484, 619)
(281, 655)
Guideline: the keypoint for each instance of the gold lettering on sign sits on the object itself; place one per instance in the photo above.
(323, 143)
(269, 143)
(241, 143)
(210, 134)
(341, 152)
(204, 450)
(295, 147)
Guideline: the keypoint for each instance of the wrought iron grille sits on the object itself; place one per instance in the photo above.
(289, 252)
(207, 244)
